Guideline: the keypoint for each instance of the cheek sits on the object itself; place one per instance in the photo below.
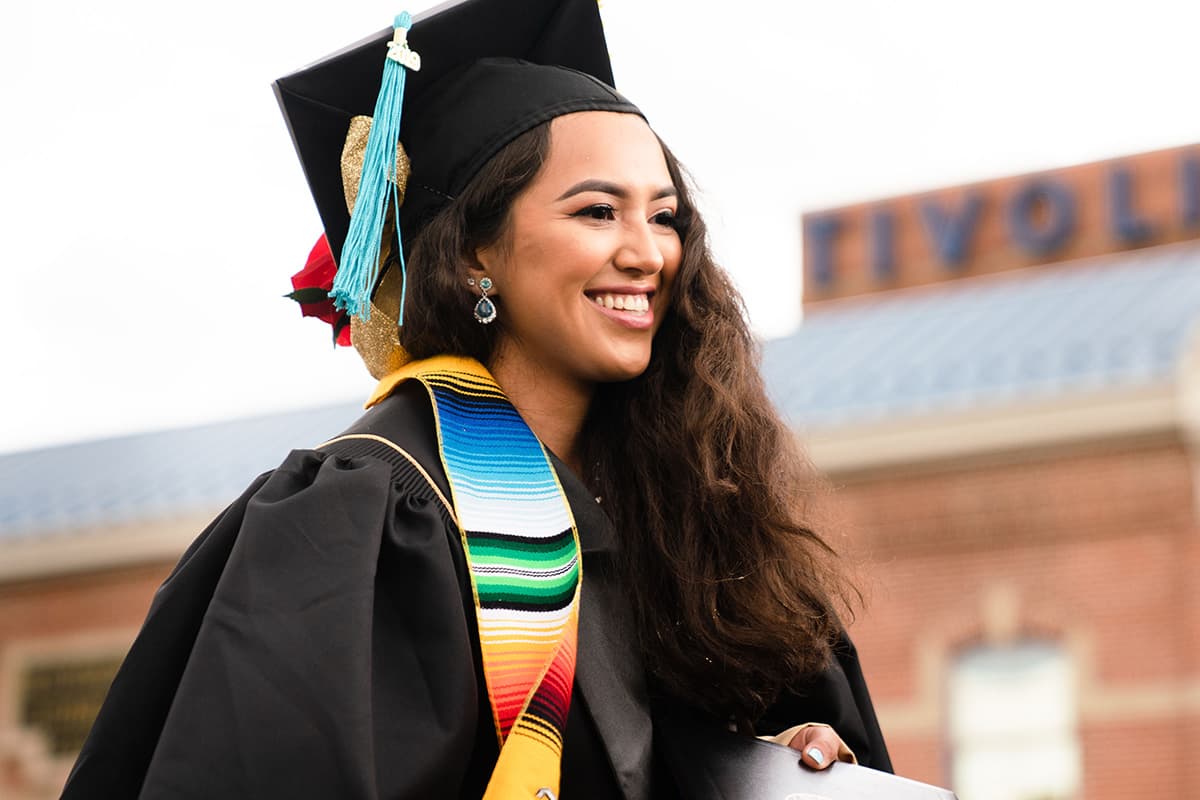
(553, 262)
(672, 258)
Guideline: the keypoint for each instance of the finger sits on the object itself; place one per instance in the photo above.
(818, 747)
(815, 758)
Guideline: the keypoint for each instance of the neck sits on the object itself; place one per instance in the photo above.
(552, 405)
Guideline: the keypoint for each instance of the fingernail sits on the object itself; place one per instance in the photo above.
(816, 755)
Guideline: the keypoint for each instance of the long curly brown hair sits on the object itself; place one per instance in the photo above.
(733, 593)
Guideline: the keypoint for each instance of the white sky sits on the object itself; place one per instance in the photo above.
(153, 208)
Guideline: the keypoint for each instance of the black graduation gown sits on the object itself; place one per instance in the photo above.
(318, 640)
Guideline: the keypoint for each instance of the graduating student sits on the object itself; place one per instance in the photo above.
(570, 517)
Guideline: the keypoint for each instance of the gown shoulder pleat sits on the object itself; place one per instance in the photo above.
(312, 642)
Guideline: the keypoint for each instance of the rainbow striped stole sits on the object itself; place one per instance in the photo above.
(522, 552)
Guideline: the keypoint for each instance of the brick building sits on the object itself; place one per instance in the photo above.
(1011, 435)
(1013, 438)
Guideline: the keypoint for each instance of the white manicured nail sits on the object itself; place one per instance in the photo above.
(816, 755)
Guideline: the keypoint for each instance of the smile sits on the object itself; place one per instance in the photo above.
(634, 303)
(630, 310)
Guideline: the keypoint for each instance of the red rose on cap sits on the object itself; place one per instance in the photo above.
(312, 285)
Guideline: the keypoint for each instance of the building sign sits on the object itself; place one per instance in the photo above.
(61, 699)
(1080, 211)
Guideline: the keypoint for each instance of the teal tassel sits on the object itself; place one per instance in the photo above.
(359, 267)
(399, 255)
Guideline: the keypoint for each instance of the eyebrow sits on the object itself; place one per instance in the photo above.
(607, 187)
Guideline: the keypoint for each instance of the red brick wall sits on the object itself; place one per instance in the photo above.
(63, 618)
(1097, 549)
(50, 614)
(78, 603)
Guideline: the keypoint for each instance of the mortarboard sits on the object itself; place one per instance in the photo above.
(489, 71)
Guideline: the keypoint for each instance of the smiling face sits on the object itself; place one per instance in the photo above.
(583, 271)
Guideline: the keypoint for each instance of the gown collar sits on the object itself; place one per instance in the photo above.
(596, 533)
(609, 672)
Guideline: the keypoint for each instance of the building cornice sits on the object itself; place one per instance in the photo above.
(49, 554)
(949, 436)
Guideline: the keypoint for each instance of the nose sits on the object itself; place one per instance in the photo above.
(640, 249)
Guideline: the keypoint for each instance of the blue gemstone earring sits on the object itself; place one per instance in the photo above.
(485, 309)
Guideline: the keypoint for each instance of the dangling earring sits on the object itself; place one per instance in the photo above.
(485, 309)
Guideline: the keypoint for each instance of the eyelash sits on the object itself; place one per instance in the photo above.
(599, 212)
(605, 212)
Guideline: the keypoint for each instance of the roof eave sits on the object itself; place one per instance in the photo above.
(52, 554)
(953, 436)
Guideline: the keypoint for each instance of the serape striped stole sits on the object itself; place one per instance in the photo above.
(522, 552)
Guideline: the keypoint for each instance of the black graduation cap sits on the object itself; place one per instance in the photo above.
(477, 89)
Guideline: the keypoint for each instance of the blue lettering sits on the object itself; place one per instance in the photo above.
(883, 243)
(950, 233)
(1189, 191)
(1059, 204)
(1125, 222)
(820, 232)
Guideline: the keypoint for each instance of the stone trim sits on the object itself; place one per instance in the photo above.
(50, 553)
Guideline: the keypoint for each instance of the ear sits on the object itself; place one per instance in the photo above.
(483, 265)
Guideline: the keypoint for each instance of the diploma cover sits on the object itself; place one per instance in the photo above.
(713, 764)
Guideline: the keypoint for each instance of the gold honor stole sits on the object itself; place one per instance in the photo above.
(522, 553)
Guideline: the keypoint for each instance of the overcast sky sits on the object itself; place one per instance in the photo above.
(153, 208)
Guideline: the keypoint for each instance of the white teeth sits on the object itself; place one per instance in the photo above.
(633, 303)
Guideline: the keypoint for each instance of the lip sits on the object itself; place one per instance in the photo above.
(637, 322)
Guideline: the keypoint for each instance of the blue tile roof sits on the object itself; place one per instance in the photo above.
(152, 475)
(1123, 321)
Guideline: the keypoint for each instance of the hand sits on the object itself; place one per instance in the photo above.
(819, 746)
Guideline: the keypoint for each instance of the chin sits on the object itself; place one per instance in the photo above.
(618, 371)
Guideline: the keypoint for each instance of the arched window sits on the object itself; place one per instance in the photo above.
(1013, 731)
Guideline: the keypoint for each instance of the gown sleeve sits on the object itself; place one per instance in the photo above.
(312, 642)
(838, 697)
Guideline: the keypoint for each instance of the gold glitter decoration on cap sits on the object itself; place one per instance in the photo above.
(352, 161)
(377, 339)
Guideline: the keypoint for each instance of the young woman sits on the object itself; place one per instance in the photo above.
(569, 520)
